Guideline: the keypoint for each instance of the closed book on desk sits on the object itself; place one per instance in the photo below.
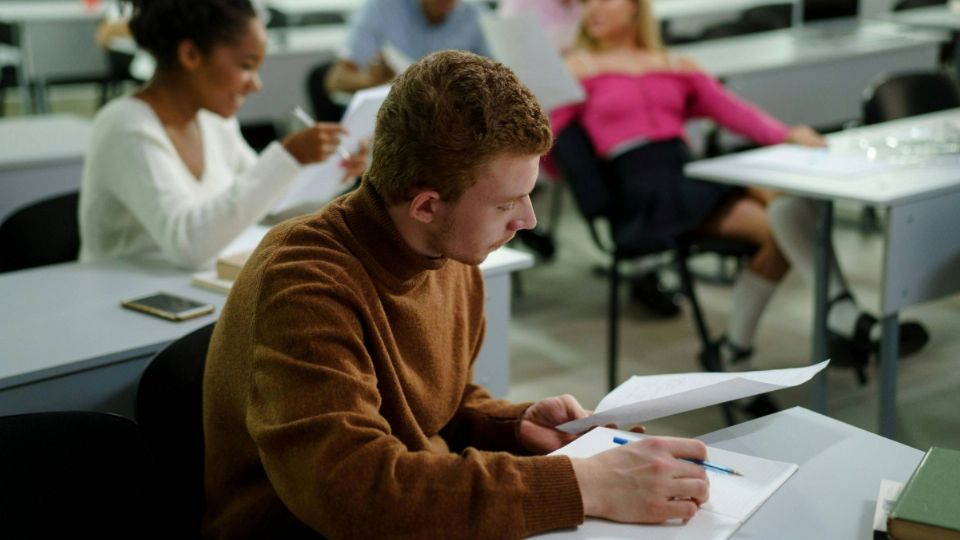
(229, 266)
(929, 505)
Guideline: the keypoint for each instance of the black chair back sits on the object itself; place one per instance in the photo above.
(170, 414)
(41, 233)
(75, 475)
(911, 4)
(909, 94)
(324, 109)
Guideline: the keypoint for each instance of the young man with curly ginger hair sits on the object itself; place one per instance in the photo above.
(338, 398)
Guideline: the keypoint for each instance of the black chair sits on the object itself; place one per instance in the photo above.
(75, 475)
(46, 232)
(593, 194)
(909, 94)
(900, 96)
(170, 414)
(324, 109)
(912, 4)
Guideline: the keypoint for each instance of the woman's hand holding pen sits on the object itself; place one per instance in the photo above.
(314, 143)
(645, 481)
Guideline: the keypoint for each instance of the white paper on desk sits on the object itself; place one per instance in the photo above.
(320, 182)
(816, 161)
(733, 499)
(521, 44)
(640, 399)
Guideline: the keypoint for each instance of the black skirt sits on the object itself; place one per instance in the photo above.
(655, 203)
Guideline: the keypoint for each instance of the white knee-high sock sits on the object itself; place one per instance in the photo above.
(793, 221)
(751, 293)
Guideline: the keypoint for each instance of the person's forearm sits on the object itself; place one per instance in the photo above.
(342, 78)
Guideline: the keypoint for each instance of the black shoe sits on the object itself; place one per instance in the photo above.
(540, 243)
(710, 356)
(761, 405)
(647, 291)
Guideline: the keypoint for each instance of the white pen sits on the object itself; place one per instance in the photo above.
(305, 119)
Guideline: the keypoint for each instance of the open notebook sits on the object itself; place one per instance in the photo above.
(733, 499)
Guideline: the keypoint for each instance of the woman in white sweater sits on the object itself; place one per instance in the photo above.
(169, 178)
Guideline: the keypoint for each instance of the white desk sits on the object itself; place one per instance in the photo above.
(832, 495)
(922, 237)
(680, 9)
(66, 344)
(40, 156)
(802, 78)
(56, 39)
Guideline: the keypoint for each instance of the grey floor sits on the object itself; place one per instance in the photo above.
(558, 338)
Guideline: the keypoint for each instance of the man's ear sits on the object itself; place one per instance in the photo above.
(189, 55)
(424, 206)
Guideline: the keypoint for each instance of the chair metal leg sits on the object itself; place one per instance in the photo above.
(686, 284)
(613, 321)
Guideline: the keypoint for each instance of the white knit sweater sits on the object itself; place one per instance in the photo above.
(139, 201)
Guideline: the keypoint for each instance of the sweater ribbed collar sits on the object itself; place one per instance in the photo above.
(384, 250)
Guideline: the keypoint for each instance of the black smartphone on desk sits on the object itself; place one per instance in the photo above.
(168, 306)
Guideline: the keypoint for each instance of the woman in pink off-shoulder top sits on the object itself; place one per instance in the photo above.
(638, 99)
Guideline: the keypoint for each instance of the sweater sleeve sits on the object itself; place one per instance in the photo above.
(314, 414)
(712, 100)
(150, 182)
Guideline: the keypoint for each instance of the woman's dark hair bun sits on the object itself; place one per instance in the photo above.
(159, 26)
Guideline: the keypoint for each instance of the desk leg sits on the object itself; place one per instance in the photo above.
(889, 351)
(818, 392)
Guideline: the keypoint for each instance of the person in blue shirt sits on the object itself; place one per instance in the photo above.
(413, 27)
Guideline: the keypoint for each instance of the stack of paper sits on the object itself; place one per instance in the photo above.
(733, 499)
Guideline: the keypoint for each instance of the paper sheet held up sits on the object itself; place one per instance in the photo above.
(640, 399)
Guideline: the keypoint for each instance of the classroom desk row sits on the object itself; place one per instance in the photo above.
(66, 344)
(911, 168)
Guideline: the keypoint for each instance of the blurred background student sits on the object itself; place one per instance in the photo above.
(638, 99)
(168, 178)
(414, 28)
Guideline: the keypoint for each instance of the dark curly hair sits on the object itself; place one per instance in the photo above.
(159, 26)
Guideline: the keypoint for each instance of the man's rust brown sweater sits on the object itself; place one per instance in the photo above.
(338, 396)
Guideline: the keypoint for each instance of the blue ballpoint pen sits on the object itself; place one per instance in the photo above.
(703, 463)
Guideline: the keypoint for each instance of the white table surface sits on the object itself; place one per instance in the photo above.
(64, 318)
(790, 48)
(41, 140)
(897, 184)
(831, 496)
(41, 10)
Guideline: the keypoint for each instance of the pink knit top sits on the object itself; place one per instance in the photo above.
(621, 108)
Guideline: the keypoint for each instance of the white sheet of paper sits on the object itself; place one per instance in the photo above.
(522, 45)
(817, 161)
(733, 499)
(640, 399)
(888, 494)
(320, 182)
(396, 60)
